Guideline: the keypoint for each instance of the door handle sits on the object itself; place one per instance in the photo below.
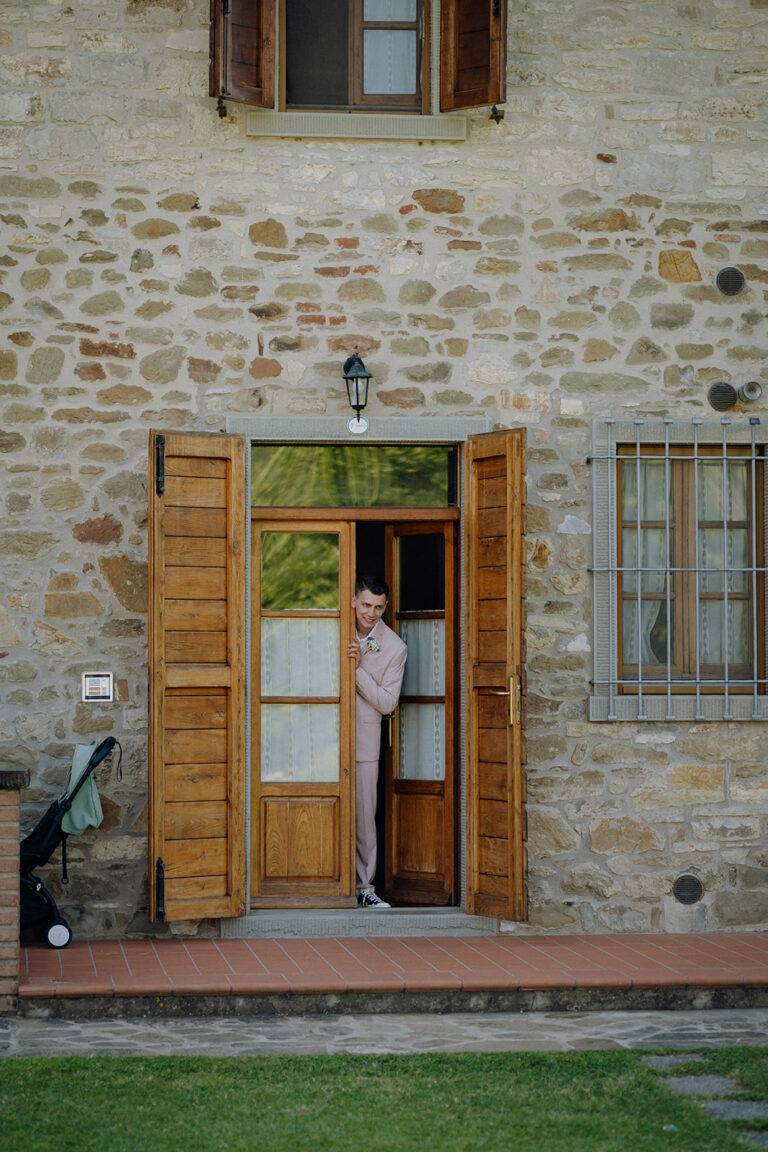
(514, 692)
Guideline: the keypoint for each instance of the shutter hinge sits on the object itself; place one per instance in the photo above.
(159, 889)
(160, 465)
(496, 9)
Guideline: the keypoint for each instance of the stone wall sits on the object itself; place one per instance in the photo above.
(160, 268)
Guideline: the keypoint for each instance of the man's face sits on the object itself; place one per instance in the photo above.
(369, 609)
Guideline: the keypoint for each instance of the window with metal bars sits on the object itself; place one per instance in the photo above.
(678, 570)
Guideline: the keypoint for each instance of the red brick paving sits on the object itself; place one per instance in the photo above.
(198, 967)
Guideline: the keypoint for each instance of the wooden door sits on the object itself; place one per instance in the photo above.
(495, 499)
(196, 589)
(420, 760)
(302, 777)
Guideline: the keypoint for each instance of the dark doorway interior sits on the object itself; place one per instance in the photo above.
(370, 560)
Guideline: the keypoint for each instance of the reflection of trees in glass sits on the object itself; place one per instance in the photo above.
(299, 570)
(352, 475)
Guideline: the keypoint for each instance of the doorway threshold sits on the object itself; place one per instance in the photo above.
(311, 923)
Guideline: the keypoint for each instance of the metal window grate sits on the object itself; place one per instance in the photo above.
(734, 692)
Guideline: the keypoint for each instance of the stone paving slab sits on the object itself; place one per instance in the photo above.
(329, 1034)
(736, 1109)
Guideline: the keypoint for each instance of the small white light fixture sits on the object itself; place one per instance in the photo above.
(98, 686)
(356, 379)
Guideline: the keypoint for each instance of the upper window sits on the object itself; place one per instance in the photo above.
(356, 55)
(679, 573)
(365, 54)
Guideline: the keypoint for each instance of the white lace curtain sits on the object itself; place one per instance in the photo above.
(422, 726)
(721, 554)
(389, 54)
(299, 657)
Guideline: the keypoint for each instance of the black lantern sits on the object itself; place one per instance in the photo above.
(356, 379)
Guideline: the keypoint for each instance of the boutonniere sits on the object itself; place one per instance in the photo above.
(372, 645)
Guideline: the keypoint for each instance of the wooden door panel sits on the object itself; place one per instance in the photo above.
(419, 830)
(196, 615)
(196, 888)
(492, 780)
(196, 551)
(210, 466)
(208, 522)
(196, 647)
(301, 839)
(193, 492)
(197, 611)
(196, 583)
(194, 782)
(492, 745)
(196, 745)
(495, 495)
(192, 858)
(196, 711)
(492, 646)
(201, 820)
(494, 856)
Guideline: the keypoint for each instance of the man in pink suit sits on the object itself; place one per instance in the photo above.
(379, 656)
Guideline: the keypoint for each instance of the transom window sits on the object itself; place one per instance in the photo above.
(679, 572)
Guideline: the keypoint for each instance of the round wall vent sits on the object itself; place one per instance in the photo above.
(722, 396)
(730, 281)
(688, 889)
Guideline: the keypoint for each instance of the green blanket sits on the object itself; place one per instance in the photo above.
(86, 807)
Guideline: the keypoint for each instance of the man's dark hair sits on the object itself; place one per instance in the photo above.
(373, 584)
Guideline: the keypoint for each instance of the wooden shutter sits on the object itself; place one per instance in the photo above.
(473, 53)
(197, 558)
(495, 488)
(243, 51)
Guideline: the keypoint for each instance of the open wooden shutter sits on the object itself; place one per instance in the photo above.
(473, 53)
(197, 559)
(496, 854)
(243, 51)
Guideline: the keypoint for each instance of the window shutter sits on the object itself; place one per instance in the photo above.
(243, 51)
(197, 556)
(473, 53)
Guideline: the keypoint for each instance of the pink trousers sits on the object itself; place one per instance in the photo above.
(366, 775)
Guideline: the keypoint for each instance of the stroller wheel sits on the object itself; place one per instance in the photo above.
(59, 934)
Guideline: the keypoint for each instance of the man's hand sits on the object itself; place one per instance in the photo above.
(353, 650)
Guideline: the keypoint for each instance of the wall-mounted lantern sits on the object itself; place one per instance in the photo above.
(356, 379)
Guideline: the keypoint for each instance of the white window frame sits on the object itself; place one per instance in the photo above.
(607, 701)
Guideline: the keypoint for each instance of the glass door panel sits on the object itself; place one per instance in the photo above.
(421, 750)
(419, 773)
(302, 715)
(299, 655)
(299, 742)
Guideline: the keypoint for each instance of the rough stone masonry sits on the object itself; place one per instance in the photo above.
(161, 268)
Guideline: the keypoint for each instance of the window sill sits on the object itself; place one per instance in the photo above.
(355, 125)
(683, 708)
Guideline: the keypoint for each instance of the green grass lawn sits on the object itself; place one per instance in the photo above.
(519, 1102)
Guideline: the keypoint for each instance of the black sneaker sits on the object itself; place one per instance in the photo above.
(369, 899)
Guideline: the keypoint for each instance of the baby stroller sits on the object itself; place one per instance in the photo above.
(38, 907)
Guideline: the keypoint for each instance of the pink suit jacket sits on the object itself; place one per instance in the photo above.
(378, 681)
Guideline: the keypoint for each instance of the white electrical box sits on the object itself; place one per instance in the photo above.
(98, 686)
